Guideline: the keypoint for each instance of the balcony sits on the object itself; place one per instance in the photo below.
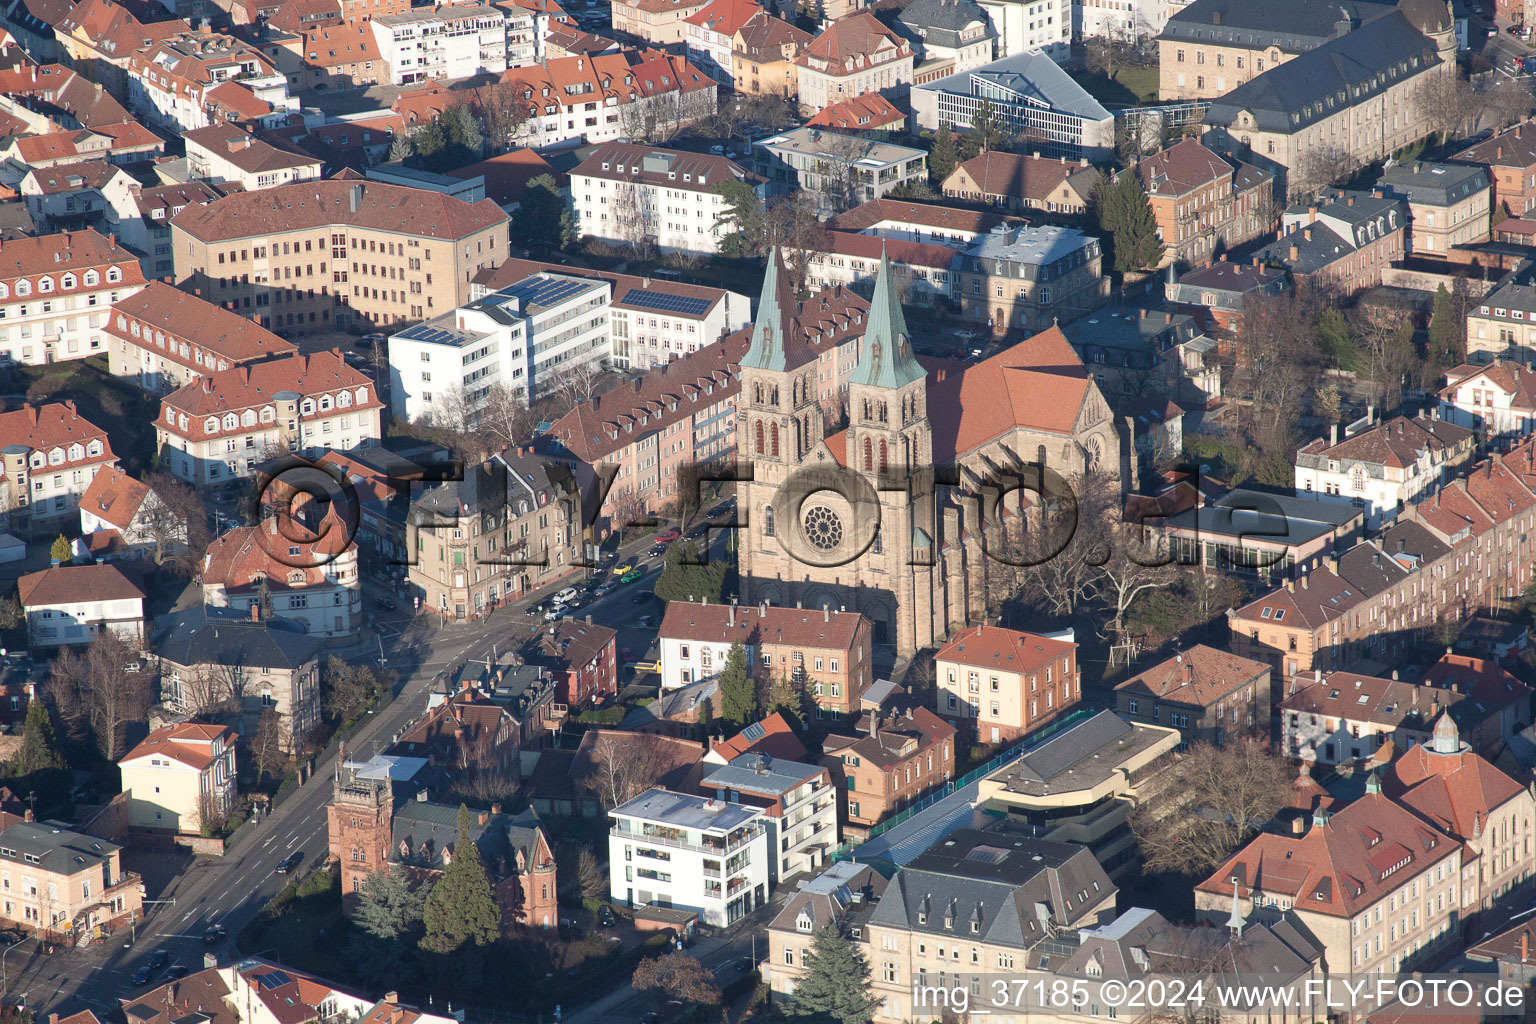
(713, 846)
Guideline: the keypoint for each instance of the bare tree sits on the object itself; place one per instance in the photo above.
(576, 381)
(96, 692)
(794, 226)
(175, 523)
(1135, 566)
(621, 766)
(1106, 54)
(1506, 103)
(1318, 168)
(677, 976)
(1277, 365)
(505, 419)
(1447, 106)
(199, 691)
(1210, 802)
(504, 113)
(591, 876)
(268, 749)
(1384, 336)
(842, 180)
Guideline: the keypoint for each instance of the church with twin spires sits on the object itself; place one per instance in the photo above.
(886, 516)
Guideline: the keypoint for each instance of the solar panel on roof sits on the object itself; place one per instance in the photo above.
(666, 302)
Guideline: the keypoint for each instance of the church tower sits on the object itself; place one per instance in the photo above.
(888, 430)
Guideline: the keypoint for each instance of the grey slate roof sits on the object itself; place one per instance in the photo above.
(207, 636)
(1092, 750)
(759, 773)
(52, 847)
(1320, 82)
(1294, 26)
(1433, 183)
(940, 22)
(429, 828)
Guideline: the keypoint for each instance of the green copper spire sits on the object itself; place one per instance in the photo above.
(770, 333)
(885, 355)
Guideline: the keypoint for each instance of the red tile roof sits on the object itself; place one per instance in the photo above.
(68, 252)
(114, 496)
(772, 736)
(508, 174)
(1182, 168)
(314, 204)
(55, 425)
(725, 17)
(755, 624)
(212, 330)
(1021, 176)
(1397, 442)
(764, 38)
(255, 385)
(860, 34)
(67, 584)
(240, 559)
(867, 112)
(1008, 650)
(928, 215)
(1455, 792)
(122, 138)
(61, 178)
(1198, 676)
(191, 743)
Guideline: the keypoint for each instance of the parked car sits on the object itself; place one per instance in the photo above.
(143, 974)
(603, 589)
(566, 596)
(698, 531)
(605, 916)
(290, 862)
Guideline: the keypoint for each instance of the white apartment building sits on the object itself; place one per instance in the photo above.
(678, 850)
(1497, 399)
(601, 97)
(218, 427)
(56, 292)
(74, 604)
(1382, 468)
(522, 335)
(1127, 20)
(1044, 25)
(631, 195)
(49, 455)
(799, 808)
(185, 81)
(271, 571)
(442, 42)
(227, 153)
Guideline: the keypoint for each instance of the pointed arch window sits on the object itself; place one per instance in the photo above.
(884, 458)
(869, 460)
(767, 520)
(759, 437)
(773, 434)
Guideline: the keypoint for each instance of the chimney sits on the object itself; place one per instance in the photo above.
(483, 817)
(29, 815)
(1312, 215)
(1333, 434)
(1306, 233)
(255, 611)
(1295, 254)
(826, 613)
(1525, 954)
(355, 197)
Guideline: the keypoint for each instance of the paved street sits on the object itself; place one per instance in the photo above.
(232, 889)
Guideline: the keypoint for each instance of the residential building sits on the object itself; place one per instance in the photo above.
(1003, 684)
(73, 604)
(1259, 535)
(1510, 159)
(798, 804)
(710, 34)
(1282, 118)
(59, 883)
(1218, 295)
(55, 291)
(227, 154)
(853, 55)
(126, 144)
(1030, 278)
(179, 775)
(149, 233)
(256, 991)
(1496, 326)
(678, 850)
(197, 78)
(88, 194)
(1384, 467)
(126, 518)
(764, 51)
(372, 829)
(1030, 96)
(362, 252)
(520, 338)
(959, 33)
(163, 338)
(640, 195)
(1206, 694)
(1448, 204)
(50, 454)
(656, 21)
(448, 42)
(773, 736)
(826, 653)
(652, 320)
(1497, 399)
(1343, 247)
(1021, 182)
(216, 428)
(605, 97)
(887, 760)
(307, 576)
(1129, 20)
(1148, 353)
(843, 895)
(1365, 911)
(902, 220)
(1015, 892)
(580, 657)
(926, 272)
(870, 114)
(213, 661)
(510, 525)
(1211, 47)
(842, 170)
(1464, 796)
(1202, 203)
(473, 734)
(1081, 785)
(1043, 25)
(97, 39)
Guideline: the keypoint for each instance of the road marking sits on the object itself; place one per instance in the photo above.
(269, 842)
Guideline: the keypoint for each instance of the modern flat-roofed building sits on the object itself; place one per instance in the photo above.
(1081, 785)
(692, 852)
(1031, 96)
(1254, 533)
(798, 803)
(444, 41)
(842, 170)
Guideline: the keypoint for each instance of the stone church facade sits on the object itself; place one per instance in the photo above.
(890, 515)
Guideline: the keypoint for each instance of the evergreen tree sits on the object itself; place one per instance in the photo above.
(742, 218)
(683, 579)
(540, 218)
(389, 908)
(401, 148)
(461, 910)
(428, 140)
(39, 750)
(1335, 340)
(835, 988)
(782, 697)
(738, 701)
(61, 551)
(943, 157)
(1447, 330)
(706, 713)
(463, 132)
(1137, 246)
(986, 127)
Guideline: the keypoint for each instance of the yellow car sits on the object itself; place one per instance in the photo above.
(623, 567)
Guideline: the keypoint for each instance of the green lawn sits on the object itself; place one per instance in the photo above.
(1129, 87)
(126, 413)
